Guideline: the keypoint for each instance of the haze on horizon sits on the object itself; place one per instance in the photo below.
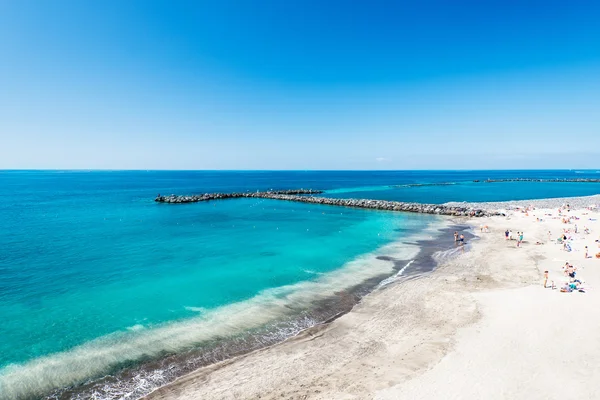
(299, 85)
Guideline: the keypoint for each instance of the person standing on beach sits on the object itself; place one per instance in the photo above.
(506, 234)
(586, 253)
(521, 238)
(455, 236)
(545, 278)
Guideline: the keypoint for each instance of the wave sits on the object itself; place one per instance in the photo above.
(396, 277)
(386, 187)
(409, 185)
(104, 355)
(359, 189)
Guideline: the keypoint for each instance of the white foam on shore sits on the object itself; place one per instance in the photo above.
(396, 277)
(196, 309)
(97, 357)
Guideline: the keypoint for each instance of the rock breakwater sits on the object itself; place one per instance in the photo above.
(556, 180)
(235, 195)
(307, 196)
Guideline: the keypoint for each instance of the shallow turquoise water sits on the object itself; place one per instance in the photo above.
(86, 256)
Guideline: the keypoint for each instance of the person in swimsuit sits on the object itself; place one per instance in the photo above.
(506, 234)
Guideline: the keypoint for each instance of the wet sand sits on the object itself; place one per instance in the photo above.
(138, 380)
(479, 326)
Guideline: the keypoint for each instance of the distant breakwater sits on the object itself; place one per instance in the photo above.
(553, 180)
(307, 196)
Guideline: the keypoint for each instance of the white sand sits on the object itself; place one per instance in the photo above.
(479, 327)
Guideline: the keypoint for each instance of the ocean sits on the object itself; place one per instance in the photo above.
(104, 292)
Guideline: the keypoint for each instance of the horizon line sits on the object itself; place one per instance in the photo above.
(281, 170)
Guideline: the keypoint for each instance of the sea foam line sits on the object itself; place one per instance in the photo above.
(397, 276)
(96, 358)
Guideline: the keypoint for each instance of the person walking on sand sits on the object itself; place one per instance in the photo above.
(586, 253)
(545, 278)
(506, 234)
(455, 236)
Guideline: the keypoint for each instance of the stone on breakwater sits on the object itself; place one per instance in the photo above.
(551, 180)
(300, 195)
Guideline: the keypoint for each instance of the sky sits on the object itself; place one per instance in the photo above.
(302, 85)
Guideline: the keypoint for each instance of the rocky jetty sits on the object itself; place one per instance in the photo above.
(307, 196)
(553, 180)
(235, 195)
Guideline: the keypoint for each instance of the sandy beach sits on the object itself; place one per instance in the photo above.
(480, 326)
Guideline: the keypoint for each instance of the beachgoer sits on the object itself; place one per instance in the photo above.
(586, 253)
(456, 236)
(545, 278)
(506, 234)
(566, 288)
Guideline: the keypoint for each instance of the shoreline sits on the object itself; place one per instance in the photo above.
(398, 334)
(422, 264)
(322, 312)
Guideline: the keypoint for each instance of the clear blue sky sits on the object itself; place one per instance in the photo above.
(299, 84)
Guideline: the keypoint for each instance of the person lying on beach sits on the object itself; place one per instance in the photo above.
(566, 288)
(575, 284)
(571, 271)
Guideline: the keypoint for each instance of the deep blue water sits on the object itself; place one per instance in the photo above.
(94, 273)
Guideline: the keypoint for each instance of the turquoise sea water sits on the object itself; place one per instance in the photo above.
(95, 276)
